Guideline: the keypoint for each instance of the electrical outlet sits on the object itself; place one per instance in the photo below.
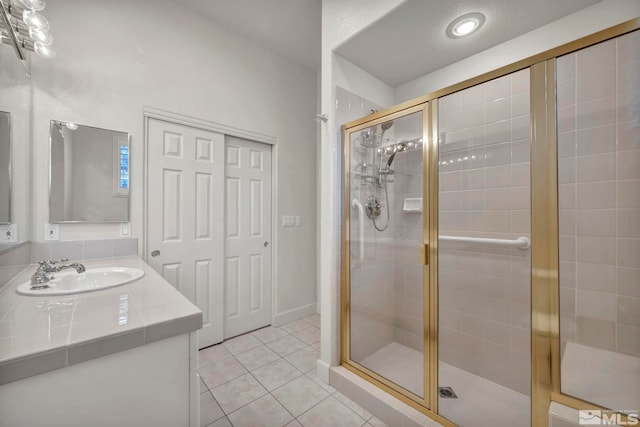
(125, 230)
(51, 232)
(9, 233)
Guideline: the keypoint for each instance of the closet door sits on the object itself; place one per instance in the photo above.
(247, 252)
(185, 202)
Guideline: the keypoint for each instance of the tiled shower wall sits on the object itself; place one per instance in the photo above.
(484, 191)
(371, 278)
(13, 259)
(598, 95)
(406, 234)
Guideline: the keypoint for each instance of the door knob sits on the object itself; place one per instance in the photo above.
(266, 244)
(155, 253)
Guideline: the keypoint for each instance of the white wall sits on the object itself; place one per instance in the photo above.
(341, 19)
(357, 81)
(115, 58)
(587, 21)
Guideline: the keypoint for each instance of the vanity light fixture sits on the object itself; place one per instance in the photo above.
(25, 28)
(465, 24)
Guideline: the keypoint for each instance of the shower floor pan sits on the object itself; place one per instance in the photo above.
(479, 402)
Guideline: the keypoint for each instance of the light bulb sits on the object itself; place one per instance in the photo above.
(44, 51)
(465, 25)
(36, 5)
(35, 20)
(71, 126)
(44, 37)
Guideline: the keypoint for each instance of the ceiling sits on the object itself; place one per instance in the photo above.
(410, 41)
(405, 44)
(288, 27)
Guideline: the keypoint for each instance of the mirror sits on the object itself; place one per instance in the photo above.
(15, 148)
(5, 168)
(88, 174)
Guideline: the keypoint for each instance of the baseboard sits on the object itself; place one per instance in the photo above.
(280, 319)
(322, 370)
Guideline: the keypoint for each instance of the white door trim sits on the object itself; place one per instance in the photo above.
(181, 119)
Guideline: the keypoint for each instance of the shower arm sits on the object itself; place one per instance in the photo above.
(355, 204)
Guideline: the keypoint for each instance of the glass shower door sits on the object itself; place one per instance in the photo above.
(384, 199)
(484, 257)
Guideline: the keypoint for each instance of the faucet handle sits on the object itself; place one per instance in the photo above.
(57, 261)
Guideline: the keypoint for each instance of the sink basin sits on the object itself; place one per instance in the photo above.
(94, 279)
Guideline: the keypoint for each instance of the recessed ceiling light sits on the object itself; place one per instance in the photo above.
(465, 25)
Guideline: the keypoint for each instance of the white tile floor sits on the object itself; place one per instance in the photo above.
(267, 378)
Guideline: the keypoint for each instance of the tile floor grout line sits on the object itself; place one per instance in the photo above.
(249, 403)
(322, 400)
(228, 381)
(217, 403)
(365, 420)
(285, 408)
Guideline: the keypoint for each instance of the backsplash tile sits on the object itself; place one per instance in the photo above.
(13, 260)
(78, 250)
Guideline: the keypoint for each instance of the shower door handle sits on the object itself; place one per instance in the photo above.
(355, 204)
(426, 254)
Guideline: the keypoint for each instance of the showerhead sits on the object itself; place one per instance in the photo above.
(386, 125)
(402, 146)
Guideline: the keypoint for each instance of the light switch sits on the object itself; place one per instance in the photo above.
(288, 221)
(298, 220)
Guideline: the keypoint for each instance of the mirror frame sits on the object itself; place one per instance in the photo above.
(9, 219)
(51, 123)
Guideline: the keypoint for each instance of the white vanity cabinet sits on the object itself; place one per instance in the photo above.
(127, 357)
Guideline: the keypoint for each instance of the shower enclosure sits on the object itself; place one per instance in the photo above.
(459, 296)
(478, 223)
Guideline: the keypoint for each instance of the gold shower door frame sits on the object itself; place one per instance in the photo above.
(545, 299)
(427, 253)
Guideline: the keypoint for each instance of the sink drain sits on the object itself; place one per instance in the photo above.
(447, 393)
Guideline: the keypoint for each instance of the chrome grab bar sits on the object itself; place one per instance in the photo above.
(520, 243)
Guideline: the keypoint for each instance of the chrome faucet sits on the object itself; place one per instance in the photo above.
(40, 277)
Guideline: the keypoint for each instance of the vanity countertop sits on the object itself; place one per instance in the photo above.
(40, 334)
